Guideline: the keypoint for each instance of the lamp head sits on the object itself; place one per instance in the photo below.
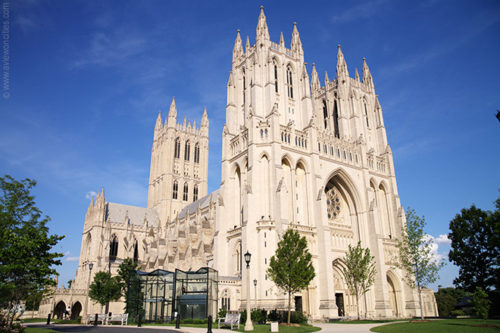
(91, 265)
(255, 282)
(248, 256)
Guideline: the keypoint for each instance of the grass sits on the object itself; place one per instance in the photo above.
(282, 329)
(39, 330)
(442, 325)
(366, 321)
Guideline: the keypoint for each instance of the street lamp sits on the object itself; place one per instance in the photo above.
(91, 265)
(248, 323)
(255, 285)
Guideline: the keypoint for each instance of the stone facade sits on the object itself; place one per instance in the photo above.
(295, 154)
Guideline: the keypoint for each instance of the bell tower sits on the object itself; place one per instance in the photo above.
(179, 164)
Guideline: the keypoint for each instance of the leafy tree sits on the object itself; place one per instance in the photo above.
(481, 303)
(291, 266)
(415, 257)
(359, 271)
(475, 248)
(447, 299)
(105, 288)
(131, 287)
(70, 282)
(26, 257)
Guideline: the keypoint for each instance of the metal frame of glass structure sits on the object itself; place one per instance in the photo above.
(157, 295)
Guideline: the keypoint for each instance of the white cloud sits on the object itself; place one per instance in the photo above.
(360, 11)
(90, 194)
(437, 257)
(67, 253)
(443, 239)
(72, 258)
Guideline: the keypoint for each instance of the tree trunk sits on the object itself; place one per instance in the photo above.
(289, 305)
(421, 303)
(357, 303)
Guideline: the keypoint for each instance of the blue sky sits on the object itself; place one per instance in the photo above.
(87, 79)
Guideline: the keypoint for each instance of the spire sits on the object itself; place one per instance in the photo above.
(282, 40)
(172, 112)
(314, 78)
(367, 76)
(247, 45)
(356, 75)
(296, 44)
(262, 30)
(158, 125)
(204, 118)
(326, 78)
(342, 71)
(238, 46)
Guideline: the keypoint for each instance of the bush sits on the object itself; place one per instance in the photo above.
(259, 316)
(222, 313)
(243, 317)
(481, 303)
(4, 326)
(456, 313)
(282, 317)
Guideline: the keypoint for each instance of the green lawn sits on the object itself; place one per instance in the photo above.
(444, 325)
(39, 330)
(282, 328)
(365, 321)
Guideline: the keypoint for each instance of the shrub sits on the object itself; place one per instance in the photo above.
(481, 303)
(259, 316)
(222, 313)
(456, 313)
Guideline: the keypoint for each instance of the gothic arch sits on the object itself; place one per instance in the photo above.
(394, 293)
(343, 179)
(266, 154)
(340, 287)
(305, 165)
(75, 310)
(59, 309)
(286, 157)
(275, 60)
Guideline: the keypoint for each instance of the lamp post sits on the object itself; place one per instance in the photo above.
(255, 286)
(91, 265)
(248, 323)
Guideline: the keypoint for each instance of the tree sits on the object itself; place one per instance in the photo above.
(131, 287)
(291, 266)
(475, 248)
(26, 257)
(415, 257)
(359, 271)
(481, 303)
(447, 299)
(105, 288)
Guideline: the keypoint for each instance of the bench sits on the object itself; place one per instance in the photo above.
(101, 317)
(105, 319)
(122, 318)
(231, 319)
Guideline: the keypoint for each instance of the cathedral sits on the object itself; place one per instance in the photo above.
(296, 153)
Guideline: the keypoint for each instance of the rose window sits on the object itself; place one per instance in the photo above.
(332, 203)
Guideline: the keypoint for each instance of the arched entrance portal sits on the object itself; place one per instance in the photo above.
(75, 310)
(59, 310)
(393, 300)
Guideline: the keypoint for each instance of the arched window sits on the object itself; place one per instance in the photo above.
(185, 193)
(187, 149)
(289, 82)
(136, 252)
(336, 119)
(197, 153)
(113, 248)
(175, 189)
(325, 114)
(195, 193)
(244, 87)
(366, 115)
(177, 148)
(275, 77)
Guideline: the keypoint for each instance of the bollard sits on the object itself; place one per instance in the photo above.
(209, 324)
(95, 319)
(178, 320)
(48, 319)
(139, 322)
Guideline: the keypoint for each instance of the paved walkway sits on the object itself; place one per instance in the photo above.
(325, 328)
